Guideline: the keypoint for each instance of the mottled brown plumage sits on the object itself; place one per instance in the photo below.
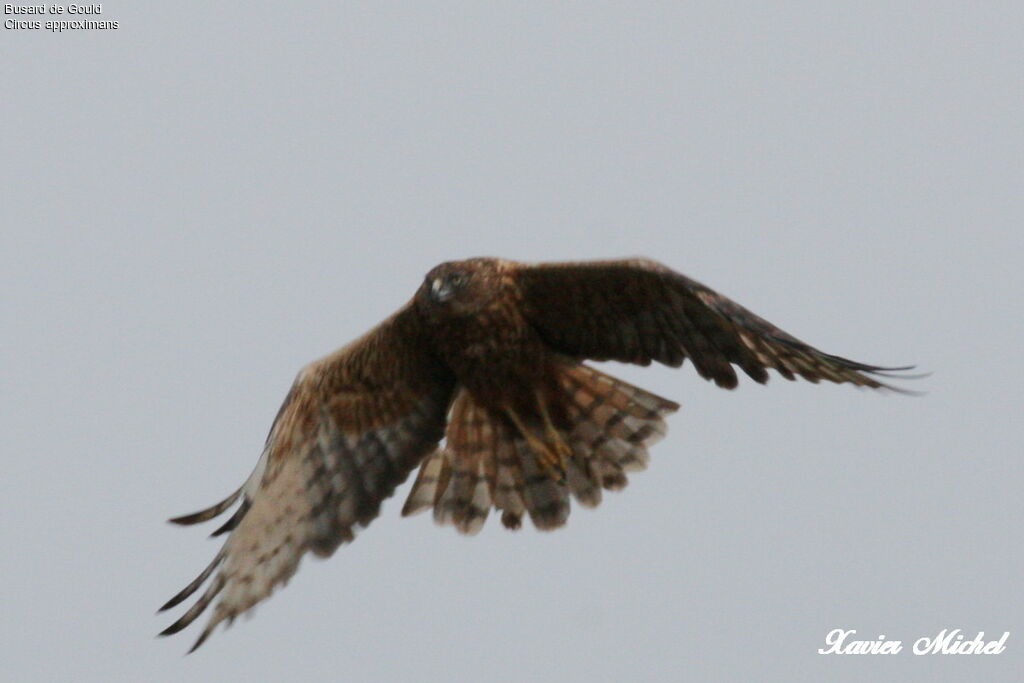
(488, 355)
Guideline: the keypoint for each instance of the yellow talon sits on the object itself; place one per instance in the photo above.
(551, 456)
(555, 459)
(562, 453)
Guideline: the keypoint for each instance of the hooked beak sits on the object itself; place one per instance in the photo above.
(440, 291)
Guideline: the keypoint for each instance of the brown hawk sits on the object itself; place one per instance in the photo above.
(487, 355)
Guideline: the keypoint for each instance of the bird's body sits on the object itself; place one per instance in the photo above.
(489, 356)
(486, 342)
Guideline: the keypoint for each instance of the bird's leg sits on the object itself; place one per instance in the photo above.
(562, 451)
(549, 461)
(531, 438)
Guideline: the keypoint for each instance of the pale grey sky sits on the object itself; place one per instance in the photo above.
(200, 202)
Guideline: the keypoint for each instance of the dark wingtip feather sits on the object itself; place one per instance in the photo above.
(869, 368)
(187, 519)
(208, 513)
(900, 390)
(175, 627)
(176, 600)
(200, 640)
(893, 375)
(234, 519)
(726, 381)
(194, 585)
(884, 370)
(198, 608)
(755, 372)
(890, 373)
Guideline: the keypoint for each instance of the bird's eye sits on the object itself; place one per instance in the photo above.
(456, 279)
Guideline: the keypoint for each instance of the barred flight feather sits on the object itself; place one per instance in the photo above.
(613, 423)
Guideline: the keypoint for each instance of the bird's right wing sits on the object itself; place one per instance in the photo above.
(351, 429)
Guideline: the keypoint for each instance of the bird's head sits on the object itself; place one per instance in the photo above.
(461, 286)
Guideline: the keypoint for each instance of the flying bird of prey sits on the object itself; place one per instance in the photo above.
(487, 355)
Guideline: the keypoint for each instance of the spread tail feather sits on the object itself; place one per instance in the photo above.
(491, 461)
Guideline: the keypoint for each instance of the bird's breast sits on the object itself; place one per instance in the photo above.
(490, 351)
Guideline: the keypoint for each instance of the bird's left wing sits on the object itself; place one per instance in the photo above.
(638, 311)
(351, 429)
